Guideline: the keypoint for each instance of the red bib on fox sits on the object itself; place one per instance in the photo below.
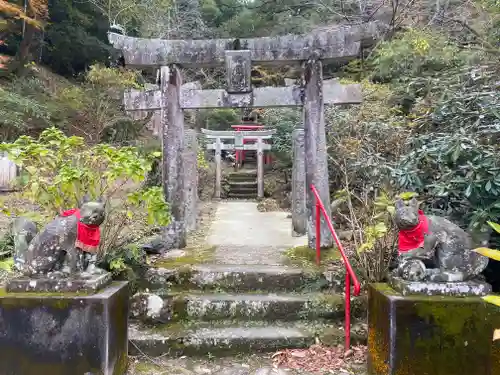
(89, 235)
(410, 239)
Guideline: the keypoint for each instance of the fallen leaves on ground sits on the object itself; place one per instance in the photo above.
(320, 358)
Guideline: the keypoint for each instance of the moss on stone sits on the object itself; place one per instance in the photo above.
(385, 289)
(174, 329)
(28, 350)
(4, 293)
(322, 305)
(11, 302)
(305, 257)
(58, 300)
(27, 300)
(328, 301)
(439, 314)
(179, 307)
(192, 257)
(7, 264)
(431, 334)
(378, 331)
(332, 336)
(147, 368)
(450, 328)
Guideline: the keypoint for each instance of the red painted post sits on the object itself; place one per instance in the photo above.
(318, 233)
(350, 275)
(243, 151)
(347, 311)
(237, 153)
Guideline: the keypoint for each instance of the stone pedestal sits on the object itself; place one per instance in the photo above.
(47, 284)
(454, 289)
(431, 335)
(64, 334)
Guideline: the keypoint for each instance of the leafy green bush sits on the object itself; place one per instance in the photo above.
(21, 111)
(487, 252)
(91, 109)
(127, 263)
(218, 119)
(284, 121)
(6, 244)
(453, 157)
(374, 234)
(432, 128)
(414, 53)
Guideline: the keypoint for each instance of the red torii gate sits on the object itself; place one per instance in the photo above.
(240, 154)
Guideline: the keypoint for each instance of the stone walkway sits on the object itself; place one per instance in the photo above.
(239, 229)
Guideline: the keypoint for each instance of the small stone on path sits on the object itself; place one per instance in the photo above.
(202, 370)
(235, 371)
(272, 371)
(174, 254)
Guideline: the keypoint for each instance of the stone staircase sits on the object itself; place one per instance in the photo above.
(243, 183)
(225, 309)
(251, 158)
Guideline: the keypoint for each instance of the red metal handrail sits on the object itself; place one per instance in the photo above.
(350, 275)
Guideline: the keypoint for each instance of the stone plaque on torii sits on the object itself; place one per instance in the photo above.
(342, 43)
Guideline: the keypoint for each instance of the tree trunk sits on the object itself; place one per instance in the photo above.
(23, 55)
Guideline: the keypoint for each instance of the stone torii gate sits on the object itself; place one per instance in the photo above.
(340, 44)
(238, 137)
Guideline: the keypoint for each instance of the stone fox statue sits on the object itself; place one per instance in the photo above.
(59, 246)
(23, 231)
(432, 248)
(90, 216)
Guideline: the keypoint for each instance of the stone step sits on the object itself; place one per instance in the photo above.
(242, 184)
(247, 196)
(235, 278)
(245, 171)
(242, 195)
(262, 306)
(243, 175)
(250, 164)
(150, 307)
(243, 192)
(228, 338)
(242, 178)
(243, 189)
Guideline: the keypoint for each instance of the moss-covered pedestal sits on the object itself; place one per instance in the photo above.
(431, 335)
(64, 334)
